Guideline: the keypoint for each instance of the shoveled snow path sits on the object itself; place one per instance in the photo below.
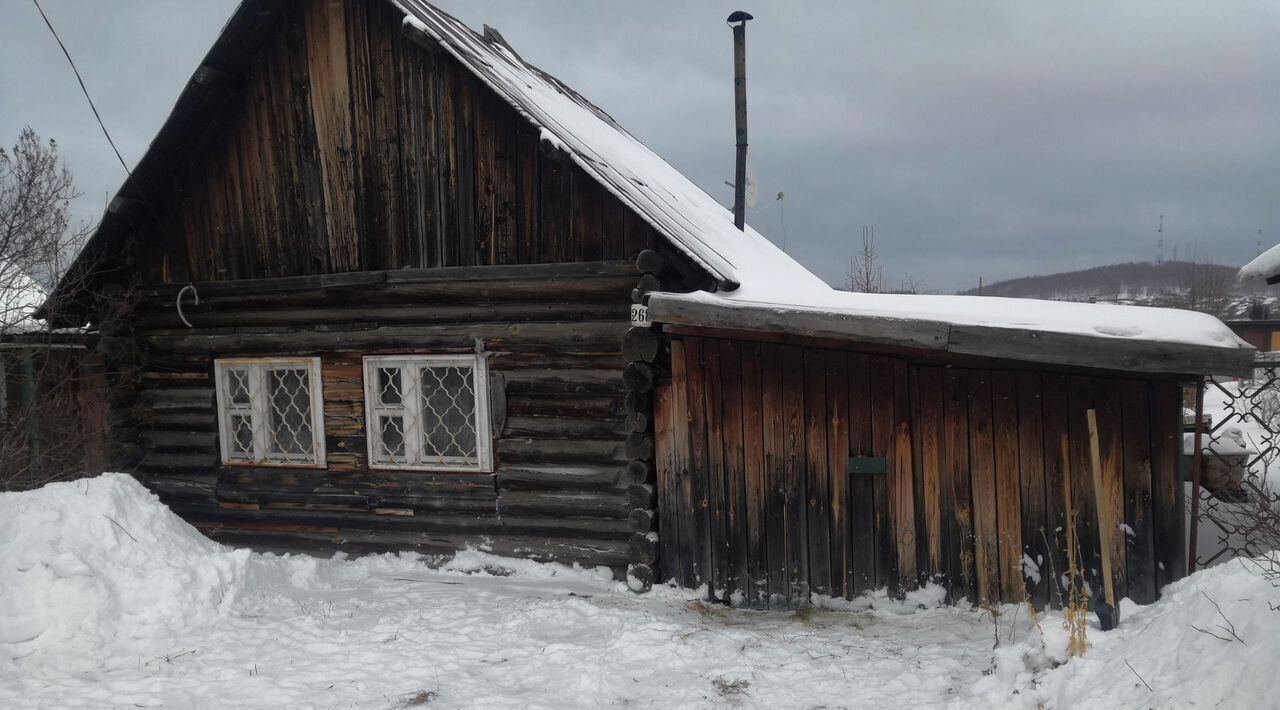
(373, 633)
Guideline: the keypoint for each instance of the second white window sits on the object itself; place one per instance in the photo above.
(427, 412)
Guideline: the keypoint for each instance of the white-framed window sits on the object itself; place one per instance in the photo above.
(270, 411)
(428, 412)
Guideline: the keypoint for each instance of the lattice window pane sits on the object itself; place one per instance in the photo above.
(448, 413)
(426, 409)
(268, 410)
(391, 438)
(241, 437)
(390, 387)
(290, 396)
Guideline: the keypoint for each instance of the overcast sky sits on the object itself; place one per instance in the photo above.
(989, 140)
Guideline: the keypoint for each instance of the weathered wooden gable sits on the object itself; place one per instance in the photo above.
(347, 145)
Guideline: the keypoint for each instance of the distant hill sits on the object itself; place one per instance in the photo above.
(1176, 284)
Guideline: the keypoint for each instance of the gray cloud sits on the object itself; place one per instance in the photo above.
(991, 140)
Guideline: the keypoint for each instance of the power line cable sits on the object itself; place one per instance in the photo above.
(83, 88)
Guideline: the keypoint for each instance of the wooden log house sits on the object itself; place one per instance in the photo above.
(369, 289)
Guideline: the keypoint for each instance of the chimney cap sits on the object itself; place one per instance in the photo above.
(740, 16)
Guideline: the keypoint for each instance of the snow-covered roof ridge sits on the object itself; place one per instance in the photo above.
(1097, 335)
(1265, 266)
(676, 207)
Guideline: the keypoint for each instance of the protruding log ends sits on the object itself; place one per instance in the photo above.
(650, 262)
(641, 520)
(640, 345)
(640, 447)
(640, 578)
(638, 422)
(638, 402)
(638, 472)
(643, 548)
(639, 377)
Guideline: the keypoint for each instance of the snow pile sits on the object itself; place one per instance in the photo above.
(89, 564)
(1263, 266)
(1213, 640)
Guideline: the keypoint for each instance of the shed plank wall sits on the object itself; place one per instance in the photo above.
(984, 470)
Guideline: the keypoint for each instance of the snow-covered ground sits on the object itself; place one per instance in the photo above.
(108, 600)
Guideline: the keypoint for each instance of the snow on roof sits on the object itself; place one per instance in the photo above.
(669, 201)
(1266, 265)
(1083, 334)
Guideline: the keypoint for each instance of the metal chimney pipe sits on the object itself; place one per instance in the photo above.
(738, 22)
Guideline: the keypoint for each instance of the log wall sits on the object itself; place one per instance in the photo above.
(347, 146)
(560, 490)
(981, 469)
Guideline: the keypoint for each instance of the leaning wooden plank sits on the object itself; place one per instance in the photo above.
(1110, 419)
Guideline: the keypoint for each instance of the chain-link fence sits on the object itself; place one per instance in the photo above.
(1238, 511)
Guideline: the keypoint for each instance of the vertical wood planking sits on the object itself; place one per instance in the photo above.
(1031, 454)
(718, 520)
(928, 403)
(753, 468)
(775, 453)
(986, 525)
(1166, 483)
(331, 108)
(901, 484)
(1140, 556)
(1110, 444)
(1057, 479)
(700, 546)
(681, 447)
(883, 437)
(817, 474)
(665, 453)
(1005, 419)
(862, 536)
(957, 498)
(837, 390)
(793, 475)
(734, 461)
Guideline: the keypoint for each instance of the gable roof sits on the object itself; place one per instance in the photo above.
(672, 204)
(680, 210)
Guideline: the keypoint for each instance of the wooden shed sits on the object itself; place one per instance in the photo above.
(372, 287)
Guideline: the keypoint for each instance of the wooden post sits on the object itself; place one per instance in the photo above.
(30, 411)
(1105, 525)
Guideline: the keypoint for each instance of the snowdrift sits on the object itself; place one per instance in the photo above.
(86, 563)
(1213, 640)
